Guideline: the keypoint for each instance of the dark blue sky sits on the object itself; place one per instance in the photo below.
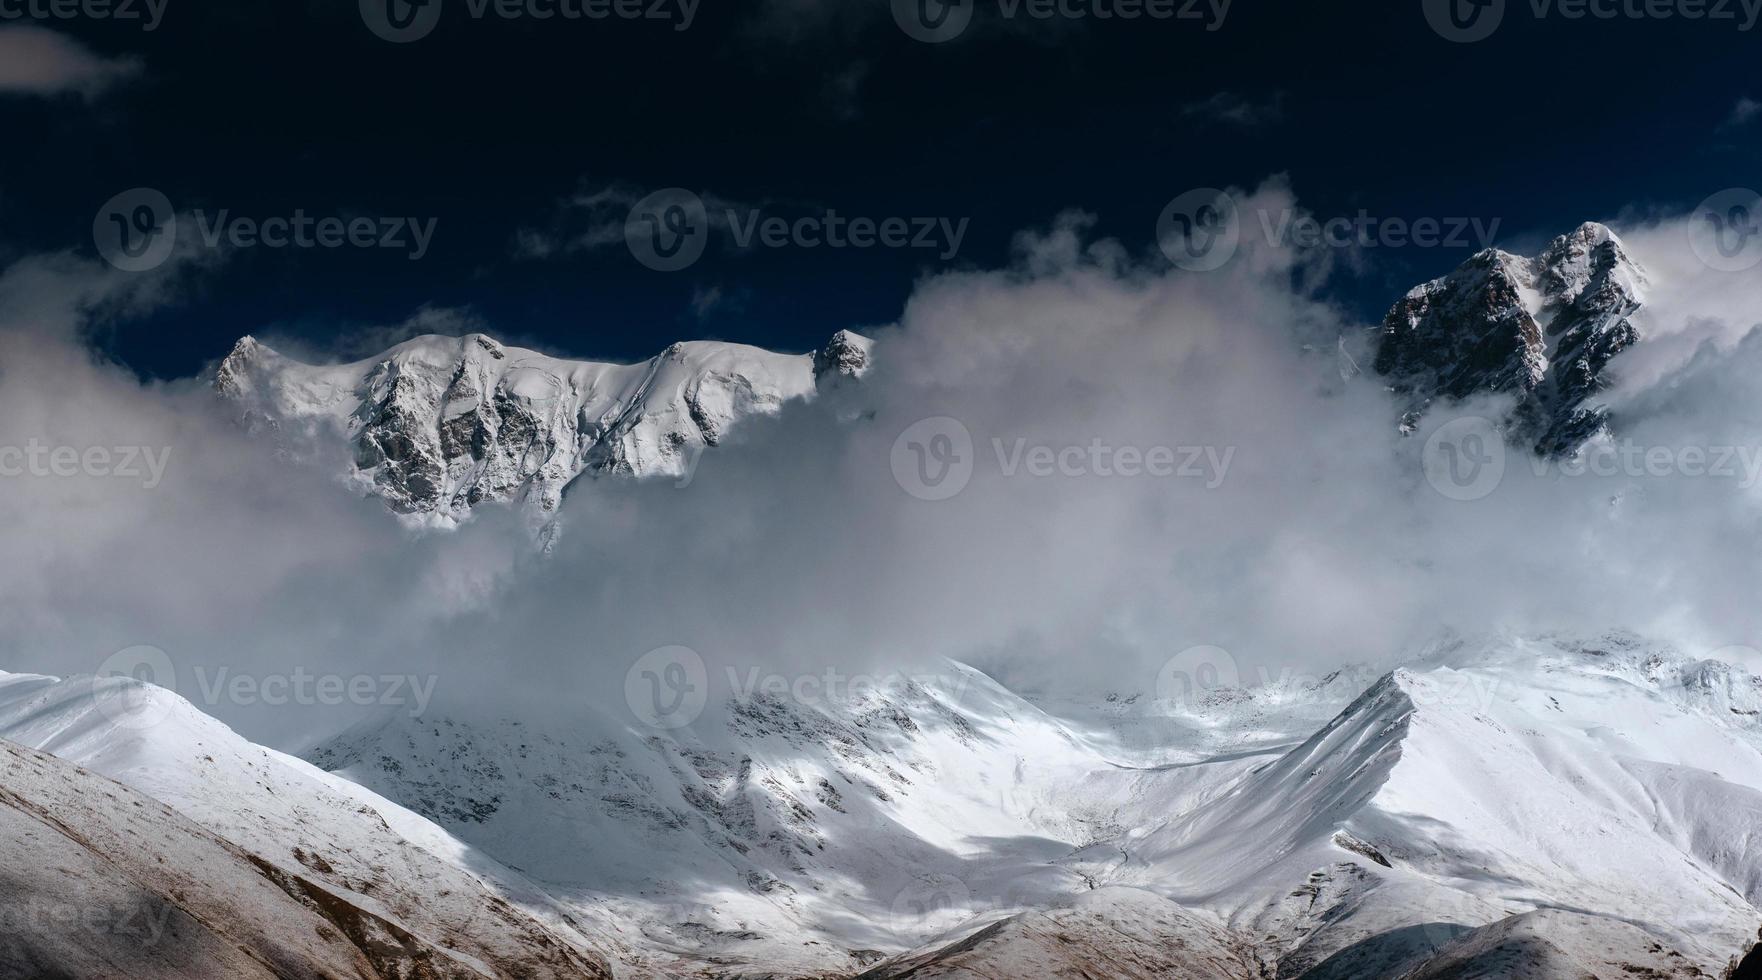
(262, 107)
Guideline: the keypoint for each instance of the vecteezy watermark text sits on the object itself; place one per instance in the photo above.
(669, 229)
(1199, 676)
(36, 459)
(150, 13)
(1201, 230)
(301, 230)
(669, 687)
(936, 21)
(121, 687)
(1468, 21)
(224, 686)
(832, 686)
(935, 459)
(142, 924)
(404, 21)
(137, 230)
(1466, 459)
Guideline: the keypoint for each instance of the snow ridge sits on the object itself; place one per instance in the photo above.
(364, 862)
(439, 425)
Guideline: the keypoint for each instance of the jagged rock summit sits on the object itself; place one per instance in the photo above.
(1543, 329)
(438, 425)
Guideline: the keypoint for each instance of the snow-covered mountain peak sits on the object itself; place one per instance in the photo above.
(1591, 264)
(437, 425)
(846, 355)
(1543, 329)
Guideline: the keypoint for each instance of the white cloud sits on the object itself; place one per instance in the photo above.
(795, 549)
(36, 61)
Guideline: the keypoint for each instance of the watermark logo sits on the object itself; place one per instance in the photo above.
(136, 230)
(1725, 231)
(301, 230)
(143, 923)
(933, 904)
(667, 230)
(1189, 676)
(667, 688)
(1200, 230)
(1629, 460)
(833, 687)
(401, 21)
(1468, 21)
(1102, 459)
(1465, 458)
(1288, 228)
(303, 687)
(933, 21)
(933, 459)
(121, 687)
(936, 21)
(149, 13)
(1465, 21)
(37, 459)
(404, 21)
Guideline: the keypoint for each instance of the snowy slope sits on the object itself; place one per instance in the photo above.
(807, 839)
(98, 880)
(438, 425)
(1600, 777)
(303, 823)
(1478, 785)
(1544, 808)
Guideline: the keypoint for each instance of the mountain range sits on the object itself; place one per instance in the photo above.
(438, 425)
(1504, 805)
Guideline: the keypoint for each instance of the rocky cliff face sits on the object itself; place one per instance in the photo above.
(438, 425)
(1543, 329)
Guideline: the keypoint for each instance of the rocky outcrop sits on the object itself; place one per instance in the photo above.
(1542, 329)
(846, 355)
(438, 425)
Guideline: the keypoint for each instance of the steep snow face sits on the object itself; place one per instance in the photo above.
(99, 880)
(438, 425)
(800, 839)
(1602, 776)
(1543, 329)
(308, 831)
